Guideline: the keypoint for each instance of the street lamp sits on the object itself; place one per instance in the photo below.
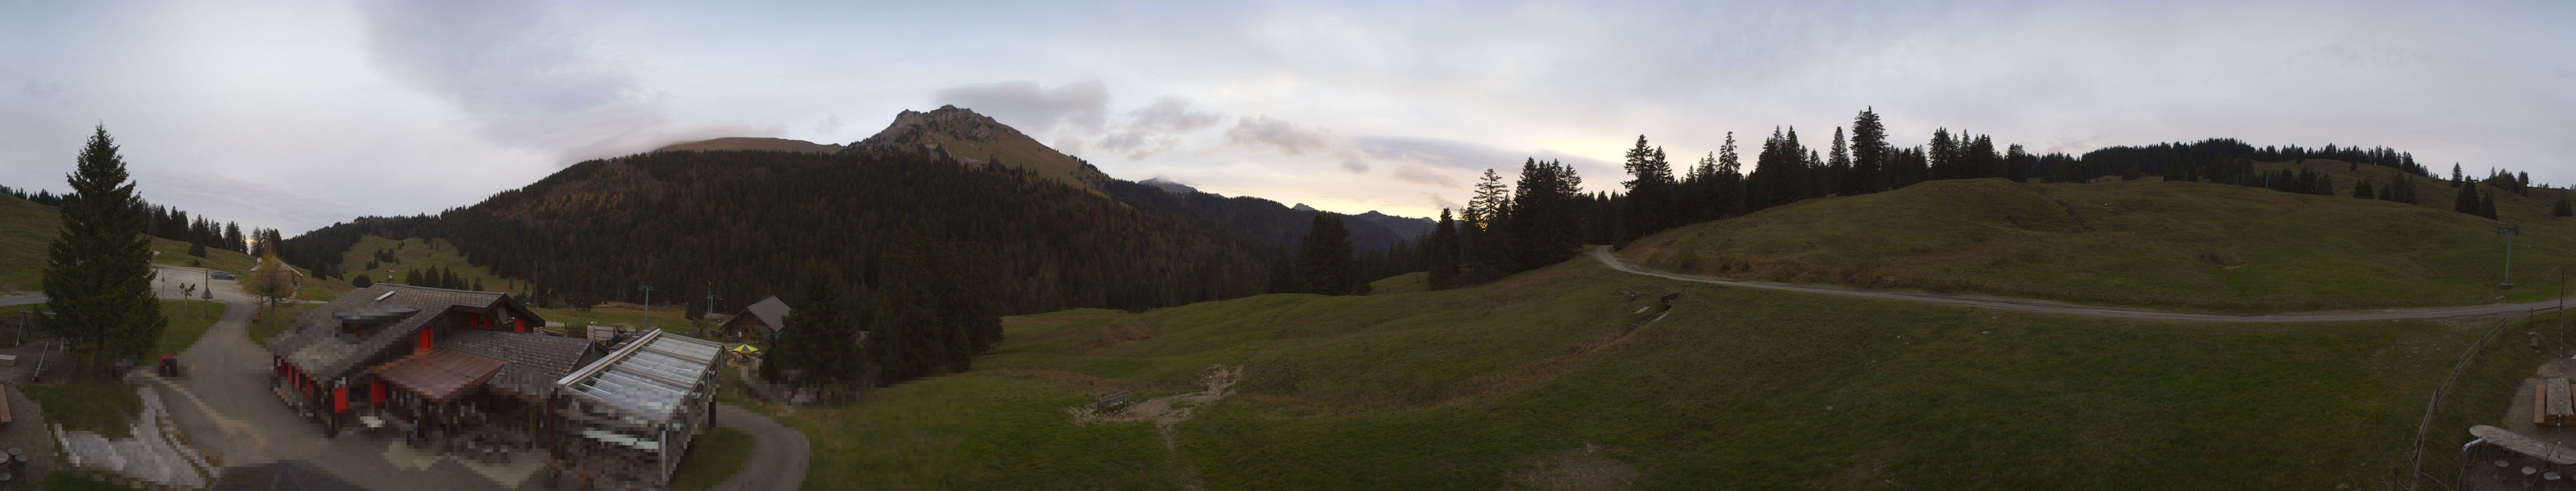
(2508, 233)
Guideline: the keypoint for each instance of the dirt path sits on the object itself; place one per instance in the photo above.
(779, 454)
(1603, 254)
(1167, 413)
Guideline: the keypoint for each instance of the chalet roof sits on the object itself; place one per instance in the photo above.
(535, 360)
(290, 475)
(440, 374)
(769, 311)
(649, 378)
(319, 347)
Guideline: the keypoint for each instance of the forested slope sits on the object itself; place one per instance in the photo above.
(746, 221)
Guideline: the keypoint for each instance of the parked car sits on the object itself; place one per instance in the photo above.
(223, 275)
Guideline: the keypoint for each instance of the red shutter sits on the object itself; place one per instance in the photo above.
(340, 399)
(376, 392)
(521, 324)
(425, 339)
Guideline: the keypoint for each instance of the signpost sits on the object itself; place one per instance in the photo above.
(2508, 233)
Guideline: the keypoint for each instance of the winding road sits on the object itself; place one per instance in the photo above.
(1603, 254)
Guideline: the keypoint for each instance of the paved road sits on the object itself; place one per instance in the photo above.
(778, 454)
(1603, 254)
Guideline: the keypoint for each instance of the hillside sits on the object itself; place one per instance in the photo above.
(1536, 382)
(2178, 245)
(27, 228)
(415, 254)
(745, 223)
(752, 143)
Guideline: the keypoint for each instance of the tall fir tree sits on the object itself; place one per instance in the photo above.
(98, 272)
(1324, 259)
(2467, 201)
(1650, 184)
(1547, 215)
(819, 345)
(1441, 256)
(1869, 152)
(1838, 165)
(1484, 242)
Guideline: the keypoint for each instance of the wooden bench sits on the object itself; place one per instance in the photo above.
(2551, 404)
(1103, 403)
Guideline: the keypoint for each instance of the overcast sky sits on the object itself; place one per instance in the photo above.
(295, 115)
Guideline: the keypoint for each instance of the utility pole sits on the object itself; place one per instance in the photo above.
(711, 308)
(2508, 233)
(648, 303)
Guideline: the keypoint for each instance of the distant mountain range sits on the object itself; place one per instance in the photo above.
(753, 143)
(746, 214)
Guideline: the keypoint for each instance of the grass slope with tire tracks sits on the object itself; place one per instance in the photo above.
(1536, 381)
(2173, 245)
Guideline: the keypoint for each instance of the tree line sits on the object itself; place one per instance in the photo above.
(167, 222)
(1507, 229)
(933, 308)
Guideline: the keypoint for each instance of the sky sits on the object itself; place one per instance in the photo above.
(296, 115)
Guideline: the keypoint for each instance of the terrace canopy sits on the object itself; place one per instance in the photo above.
(440, 374)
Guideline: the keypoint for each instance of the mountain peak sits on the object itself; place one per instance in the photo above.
(975, 139)
(1302, 207)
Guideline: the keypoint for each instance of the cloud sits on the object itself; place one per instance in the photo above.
(828, 125)
(521, 78)
(1077, 118)
(1354, 164)
(254, 203)
(1157, 128)
(1453, 154)
(1440, 202)
(1080, 104)
(1269, 132)
(1419, 174)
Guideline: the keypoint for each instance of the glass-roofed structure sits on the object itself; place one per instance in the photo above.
(634, 411)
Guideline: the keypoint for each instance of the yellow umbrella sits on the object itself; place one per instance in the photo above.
(745, 349)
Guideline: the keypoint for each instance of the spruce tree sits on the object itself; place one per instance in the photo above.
(361, 281)
(2563, 209)
(1324, 259)
(1648, 208)
(2361, 189)
(1869, 152)
(819, 340)
(98, 273)
(2467, 201)
(1441, 259)
(1838, 163)
(2486, 205)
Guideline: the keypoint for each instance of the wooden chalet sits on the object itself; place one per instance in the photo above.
(467, 372)
(762, 318)
(389, 346)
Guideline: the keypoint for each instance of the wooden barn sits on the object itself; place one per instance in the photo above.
(761, 319)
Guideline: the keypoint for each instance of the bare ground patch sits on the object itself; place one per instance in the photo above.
(1591, 468)
(1168, 412)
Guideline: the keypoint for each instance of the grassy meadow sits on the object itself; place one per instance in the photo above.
(27, 229)
(1537, 381)
(2187, 246)
(414, 254)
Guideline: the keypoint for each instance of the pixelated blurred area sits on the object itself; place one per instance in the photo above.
(396, 387)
